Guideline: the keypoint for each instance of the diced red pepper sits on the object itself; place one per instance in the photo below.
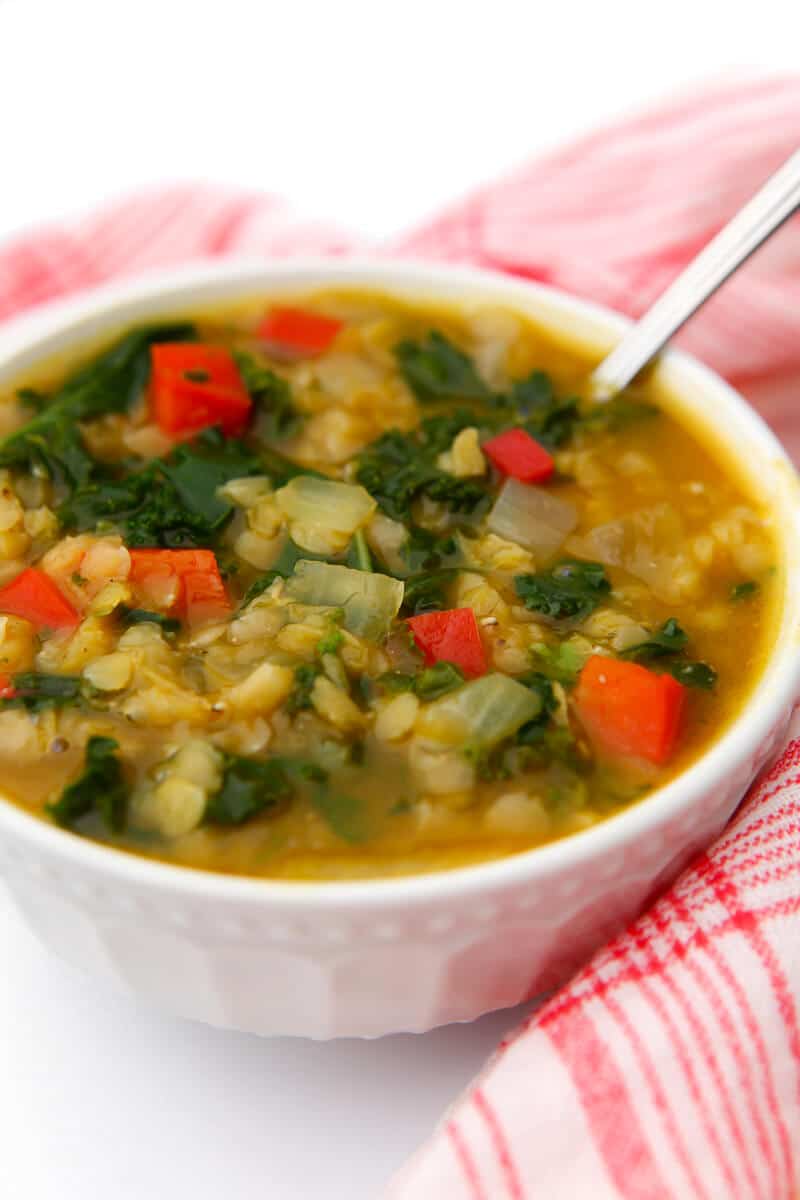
(628, 710)
(34, 596)
(193, 386)
(199, 592)
(297, 333)
(451, 636)
(517, 454)
(7, 689)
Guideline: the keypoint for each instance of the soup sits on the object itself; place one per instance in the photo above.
(353, 588)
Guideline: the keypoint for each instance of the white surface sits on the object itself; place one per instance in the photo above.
(372, 114)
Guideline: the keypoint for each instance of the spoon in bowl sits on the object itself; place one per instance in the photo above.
(773, 204)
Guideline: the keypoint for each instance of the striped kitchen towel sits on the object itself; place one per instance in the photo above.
(669, 1067)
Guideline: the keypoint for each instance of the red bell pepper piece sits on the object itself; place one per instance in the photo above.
(34, 596)
(450, 636)
(297, 333)
(7, 689)
(517, 454)
(628, 710)
(200, 591)
(193, 386)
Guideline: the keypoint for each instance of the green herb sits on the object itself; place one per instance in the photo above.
(744, 591)
(142, 616)
(669, 639)
(173, 502)
(540, 411)
(425, 550)
(668, 642)
(358, 555)
(571, 590)
(300, 697)
(435, 369)
(398, 468)
(36, 691)
(693, 674)
(101, 788)
(272, 396)
(437, 680)
(330, 642)
(249, 787)
(561, 662)
(112, 382)
(428, 592)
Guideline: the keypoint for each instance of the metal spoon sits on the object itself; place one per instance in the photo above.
(773, 204)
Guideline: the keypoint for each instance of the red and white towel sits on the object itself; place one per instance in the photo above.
(669, 1067)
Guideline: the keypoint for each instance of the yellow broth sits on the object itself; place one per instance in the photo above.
(368, 792)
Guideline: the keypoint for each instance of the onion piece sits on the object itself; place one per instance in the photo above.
(533, 517)
(480, 713)
(370, 601)
(325, 506)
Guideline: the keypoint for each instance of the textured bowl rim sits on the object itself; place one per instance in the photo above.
(79, 320)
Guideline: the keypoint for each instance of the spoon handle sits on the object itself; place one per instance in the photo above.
(773, 204)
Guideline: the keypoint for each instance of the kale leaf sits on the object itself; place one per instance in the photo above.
(668, 642)
(669, 639)
(435, 369)
(300, 698)
(36, 691)
(249, 786)
(428, 591)
(569, 590)
(429, 684)
(112, 382)
(172, 502)
(272, 397)
(538, 409)
(100, 788)
(143, 616)
(744, 591)
(398, 468)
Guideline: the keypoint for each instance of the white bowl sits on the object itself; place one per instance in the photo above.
(372, 957)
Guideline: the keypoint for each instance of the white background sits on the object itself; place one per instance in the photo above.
(372, 114)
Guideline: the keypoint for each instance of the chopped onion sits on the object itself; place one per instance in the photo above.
(480, 713)
(370, 601)
(325, 506)
(533, 517)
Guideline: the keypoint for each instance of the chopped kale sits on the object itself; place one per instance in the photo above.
(36, 691)
(541, 412)
(172, 502)
(668, 642)
(51, 441)
(570, 590)
(398, 468)
(428, 684)
(669, 639)
(693, 674)
(744, 591)
(330, 642)
(272, 397)
(249, 787)
(561, 662)
(428, 591)
(100, 788)
(143, 616)
(435, 369)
